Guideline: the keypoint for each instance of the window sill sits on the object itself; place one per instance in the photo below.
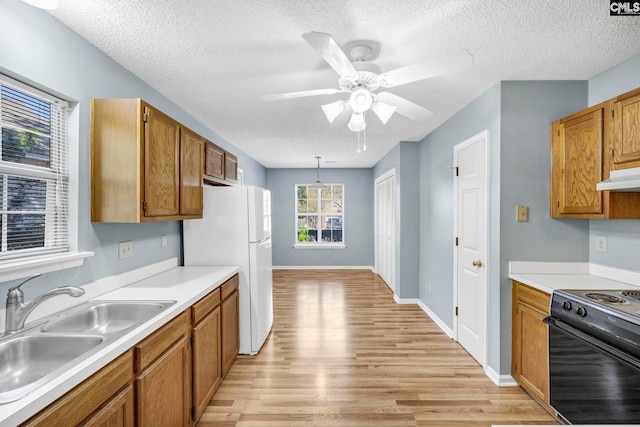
(20, 268)
(319, 246)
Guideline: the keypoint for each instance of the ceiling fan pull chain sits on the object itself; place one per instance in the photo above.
(364, 136)
(358, 150)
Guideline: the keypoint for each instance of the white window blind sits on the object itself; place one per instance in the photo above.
(34, 174)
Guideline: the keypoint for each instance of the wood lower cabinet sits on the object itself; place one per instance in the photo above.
(119, 412)
(206, 350)
(145, 166)
(167, 379)
(530, 341)
(88, 402)
(230, 310)
(163, 375)
(581, 156)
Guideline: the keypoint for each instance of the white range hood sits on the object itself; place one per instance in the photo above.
(621, 180)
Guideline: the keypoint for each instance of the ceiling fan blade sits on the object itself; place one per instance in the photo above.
(405, 107)
(433, 67)
(302, 94)
(327, 47)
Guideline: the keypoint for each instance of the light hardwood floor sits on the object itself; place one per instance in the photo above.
(343, 353)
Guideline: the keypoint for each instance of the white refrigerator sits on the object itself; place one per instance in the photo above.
(236, 230)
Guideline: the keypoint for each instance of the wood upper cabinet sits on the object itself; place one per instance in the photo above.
(581, 156)
(530, 342)
(576, 152)
(626, 130)
(220, 166)
(191, 160)
(145, 166)
(230, 167)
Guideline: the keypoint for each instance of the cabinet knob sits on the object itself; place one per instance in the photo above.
(477, 263)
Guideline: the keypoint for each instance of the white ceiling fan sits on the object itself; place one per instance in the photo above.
(362, 86)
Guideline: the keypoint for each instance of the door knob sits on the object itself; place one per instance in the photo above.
(477, 263)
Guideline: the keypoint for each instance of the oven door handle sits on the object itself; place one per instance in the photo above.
(593, 342)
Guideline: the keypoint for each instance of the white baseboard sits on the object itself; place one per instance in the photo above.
(500, 380)
(321, 267)
(426, 309)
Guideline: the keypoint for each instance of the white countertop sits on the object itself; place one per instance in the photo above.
(185, 285)
(549, 276)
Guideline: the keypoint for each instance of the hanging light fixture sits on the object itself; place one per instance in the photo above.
(318, 184)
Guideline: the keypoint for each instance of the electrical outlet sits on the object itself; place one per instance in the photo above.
(163, 241)
(125, 249)
(601, 243)
(429, 285)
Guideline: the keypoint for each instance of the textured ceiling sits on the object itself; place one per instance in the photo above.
(216, 58)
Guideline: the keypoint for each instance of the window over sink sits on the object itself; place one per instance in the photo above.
(319, 216)
(34, 172)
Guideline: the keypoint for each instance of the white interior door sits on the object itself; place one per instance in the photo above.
(471, 250)
(385, 214)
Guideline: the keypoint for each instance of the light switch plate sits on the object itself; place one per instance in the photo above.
(522, 213)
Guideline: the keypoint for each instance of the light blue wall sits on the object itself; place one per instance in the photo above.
(36, 48)
(404, 158)
(517, 116)
(358, 220)
(527, 108)
(623, 237)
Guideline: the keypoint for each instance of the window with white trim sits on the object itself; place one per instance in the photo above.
(320, 215)
(34, 172)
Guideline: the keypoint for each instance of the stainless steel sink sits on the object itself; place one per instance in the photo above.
(106, 317)
(28, 361)
(37, 354)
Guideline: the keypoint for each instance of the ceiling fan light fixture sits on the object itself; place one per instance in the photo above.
(333, 110)
(356, 123)
(360, 100)
(384, 111)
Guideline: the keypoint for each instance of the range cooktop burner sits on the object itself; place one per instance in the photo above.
(631, 294)
(606, 298)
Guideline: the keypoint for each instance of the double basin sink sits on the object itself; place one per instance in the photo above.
(37, 355)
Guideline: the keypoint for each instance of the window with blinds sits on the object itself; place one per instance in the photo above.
(34, 174)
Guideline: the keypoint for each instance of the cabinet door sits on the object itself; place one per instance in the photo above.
(161, 164)
(162, 390)
(533, 364)
(577, 164)
(214, 161)
(207, 364)
(119, 412)
(230, 167)
(230, 331)
(626, 143)
(191, 153)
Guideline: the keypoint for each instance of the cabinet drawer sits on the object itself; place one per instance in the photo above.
(154, 345)
(87, 397)
(205, 306)
(534, 297)
(229, 286)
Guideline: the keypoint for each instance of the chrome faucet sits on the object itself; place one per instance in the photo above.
(17, 310)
